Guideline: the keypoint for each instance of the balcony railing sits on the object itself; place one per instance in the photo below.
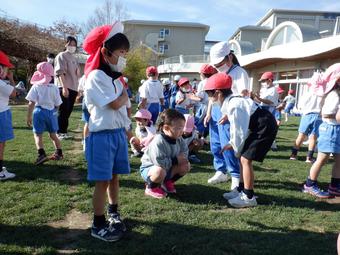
(187, 59)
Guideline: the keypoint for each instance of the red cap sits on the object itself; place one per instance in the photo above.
(94, 42)
(291, 92)
(183, 81)
(208, 69)
(151, 70)
(267, 76)
(4, 60)
(218, 81)
(280, 90)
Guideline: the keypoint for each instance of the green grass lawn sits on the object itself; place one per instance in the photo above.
(195, 221)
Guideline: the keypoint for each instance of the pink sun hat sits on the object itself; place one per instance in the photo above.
(43, 75)
(331, 76)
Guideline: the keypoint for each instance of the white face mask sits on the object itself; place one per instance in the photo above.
(120, 66)
(264, 85)
(71, 49)
(223, 69)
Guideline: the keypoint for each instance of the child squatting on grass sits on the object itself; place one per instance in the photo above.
(166, 157)
(44, 100)
(6, 129)
(106, 147)
(252, 132)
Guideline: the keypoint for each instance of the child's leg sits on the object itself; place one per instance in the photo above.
(113, 190)
(336, 166)
(156, 175)
(86, 130)
(248, 176)
(2, 148)
(99, 198)
(38, 138)
(311, 145)
(316, 167)
(55, 140)
(299, 140)
(178, 171)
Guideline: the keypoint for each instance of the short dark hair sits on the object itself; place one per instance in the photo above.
(70, 39)
(50, 55)
(118, 41)
(225, 92)
(168, 116)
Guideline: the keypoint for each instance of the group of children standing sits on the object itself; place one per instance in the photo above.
(242, 125)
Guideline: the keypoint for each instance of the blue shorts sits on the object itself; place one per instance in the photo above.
(277, 115)
(6, 129)
(329, 138)
(309, 124)
(144, 171)
(85, 116)
(45, 120)
(106, 153)
(289, 107)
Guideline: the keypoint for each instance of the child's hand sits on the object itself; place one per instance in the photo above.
(226, 148)
(223, 120)
(206, 120)
(29, 121)
(65, 92)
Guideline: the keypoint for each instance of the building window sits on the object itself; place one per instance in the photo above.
(164, 32)
(163, 48)
(286, 32)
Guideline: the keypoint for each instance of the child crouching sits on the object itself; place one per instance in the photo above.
(166, 158)
(144, 132)
(44, 99)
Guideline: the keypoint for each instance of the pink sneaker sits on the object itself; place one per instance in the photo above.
(155, 192)
(169, 186)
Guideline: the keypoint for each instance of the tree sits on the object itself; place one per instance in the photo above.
(106, 14)
(137, 61)
(64, 28)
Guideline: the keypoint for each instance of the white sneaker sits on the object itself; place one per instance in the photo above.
(4, 174)
(232, 194)
(218, 178)
(242, 201)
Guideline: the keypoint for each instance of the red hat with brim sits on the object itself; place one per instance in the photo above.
(279, 90)
(151, 70)
(183, 81)
(267, 76)
(94, 42)
(291, 92)
(4, 60)
(218, 81)
(208, 69)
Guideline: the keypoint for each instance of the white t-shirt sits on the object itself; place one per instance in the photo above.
(239, 111)
(99, 91)
(331, 105)
(5, 91)
(152, 90)
(271, 95)
(187, 101)
(201, 93)
(311, 103)
(81, 83)
(46, 96)
(240, 80)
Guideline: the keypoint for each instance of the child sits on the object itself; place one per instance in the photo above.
(44, 98)
(190, 136)
(310, 120)
(106, 146)
(252, 132)
(173, 91)
(166, 158)
(329, 137)
(151, 94)
(144, 132)
(166, 93)
(6, 129)
(185, 99)
(289, 100)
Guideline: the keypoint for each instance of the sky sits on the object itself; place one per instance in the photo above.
(223, 16)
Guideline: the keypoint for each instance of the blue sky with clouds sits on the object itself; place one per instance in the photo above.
(223, 16)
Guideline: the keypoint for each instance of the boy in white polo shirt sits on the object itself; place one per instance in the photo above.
(6, 129)
(44, 100)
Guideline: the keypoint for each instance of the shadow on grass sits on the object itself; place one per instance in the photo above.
(171, 238)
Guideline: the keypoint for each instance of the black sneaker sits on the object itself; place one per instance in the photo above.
(106, 233)
(41, 159)
(116, 221)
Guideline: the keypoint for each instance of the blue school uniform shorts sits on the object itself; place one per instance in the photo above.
(329, 138)
(106, 153)
(85, 115)
(45, 120)
(289, 107)
(309, 124)
(144, 172)
(6, 129)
